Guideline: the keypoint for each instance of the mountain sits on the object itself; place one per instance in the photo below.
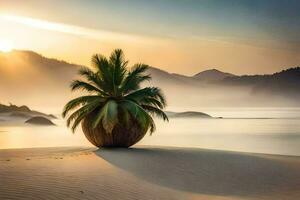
(21, 112)
(212, 75)
(12, 115)
(29, 78)
(160, 76)
(43, 83)
(286, 82)
(30, 62)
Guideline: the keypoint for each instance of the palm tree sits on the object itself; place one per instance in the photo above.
(116, 112)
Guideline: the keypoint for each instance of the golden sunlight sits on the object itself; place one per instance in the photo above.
(6, 46)
(73, 29)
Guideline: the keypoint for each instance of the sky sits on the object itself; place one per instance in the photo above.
(187, 36)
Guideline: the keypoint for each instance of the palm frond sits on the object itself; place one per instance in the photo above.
(134, 78)
(82, 85)
(76, 117)
(124, 116)
(150, 101)
(118, 65)
(101, 64)
(90, 76)
(156, 112)
(138, 113)
(148, 92)
(108, 115)
(79, 101)
(104, 72)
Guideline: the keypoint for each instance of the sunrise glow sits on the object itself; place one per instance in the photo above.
(5, 46)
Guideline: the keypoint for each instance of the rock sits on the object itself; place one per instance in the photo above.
(188, 114)
(40, 121)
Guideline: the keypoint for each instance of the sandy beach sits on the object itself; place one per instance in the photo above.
(146, 172)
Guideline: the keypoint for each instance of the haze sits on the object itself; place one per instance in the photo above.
(224, 99)
(242, 37)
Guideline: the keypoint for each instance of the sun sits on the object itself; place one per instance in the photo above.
(5, 46)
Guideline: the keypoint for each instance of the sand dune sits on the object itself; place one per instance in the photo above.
(146, 173)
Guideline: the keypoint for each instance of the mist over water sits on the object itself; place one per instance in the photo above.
(260, 130)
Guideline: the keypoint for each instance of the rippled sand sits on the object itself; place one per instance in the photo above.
(146, 173)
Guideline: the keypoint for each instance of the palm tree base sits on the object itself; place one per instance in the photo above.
(121, 136)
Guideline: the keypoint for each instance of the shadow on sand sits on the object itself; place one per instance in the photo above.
(205, 171)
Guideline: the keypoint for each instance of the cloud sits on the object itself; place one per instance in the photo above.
(74, 30)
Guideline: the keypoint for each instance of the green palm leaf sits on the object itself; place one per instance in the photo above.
(134, 78)
(145, 120)
(108, 115)
(71, 105)
(155, 112)
(81, 85)
(76, 117)
(149, 92)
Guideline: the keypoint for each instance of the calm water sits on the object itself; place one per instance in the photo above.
(275, 131)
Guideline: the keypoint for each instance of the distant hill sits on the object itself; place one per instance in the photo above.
(162, 77)
(39, 121)
(29, 78)
(32, 79)
(286, 82)
(187, 114)
(212, 75)
(32, 63)
(13, 108)
(12, 111)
